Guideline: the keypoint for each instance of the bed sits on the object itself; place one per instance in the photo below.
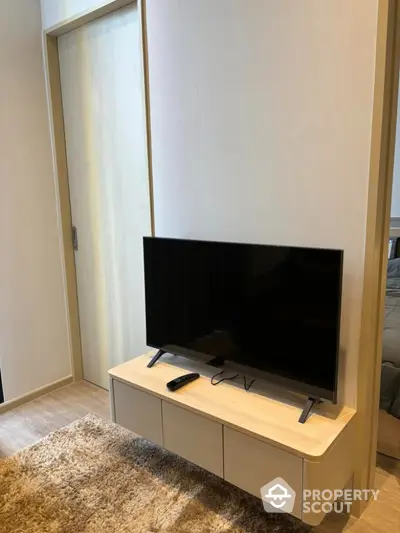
(389, 414)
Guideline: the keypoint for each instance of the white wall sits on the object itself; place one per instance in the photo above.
(56, 11)
(34, 347)
(261, 118)
(395, 211)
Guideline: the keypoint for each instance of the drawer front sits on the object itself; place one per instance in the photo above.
(193, 437)
(138, 411)
(251, 463)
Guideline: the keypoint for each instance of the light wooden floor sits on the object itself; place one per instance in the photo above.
(381, 516)
(30, 422)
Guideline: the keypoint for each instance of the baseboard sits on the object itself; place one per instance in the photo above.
(21, 400)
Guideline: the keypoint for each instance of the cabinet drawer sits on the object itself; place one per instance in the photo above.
(251, 463)
(138, 411)
(194, 437)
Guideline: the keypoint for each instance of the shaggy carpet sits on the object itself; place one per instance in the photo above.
(93, 476)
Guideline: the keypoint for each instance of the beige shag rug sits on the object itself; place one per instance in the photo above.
(95, 477)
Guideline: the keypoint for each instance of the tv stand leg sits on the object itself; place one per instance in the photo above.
(307, 408)
(155, 358)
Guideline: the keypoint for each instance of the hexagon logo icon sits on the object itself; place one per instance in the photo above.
(278, 496)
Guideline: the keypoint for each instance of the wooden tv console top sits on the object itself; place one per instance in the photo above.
(265, 412)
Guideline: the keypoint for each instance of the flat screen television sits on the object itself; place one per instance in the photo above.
(275, 309)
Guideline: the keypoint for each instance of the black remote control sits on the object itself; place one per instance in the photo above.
(177, 383)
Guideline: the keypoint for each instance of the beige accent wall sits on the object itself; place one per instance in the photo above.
(261, 120)
(34, 341)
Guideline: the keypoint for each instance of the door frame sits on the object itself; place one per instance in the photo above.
(59, 155)
(382, 152)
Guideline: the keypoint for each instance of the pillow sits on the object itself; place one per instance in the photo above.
(393, 268)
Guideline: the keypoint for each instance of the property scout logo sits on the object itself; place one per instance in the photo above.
(279, 497)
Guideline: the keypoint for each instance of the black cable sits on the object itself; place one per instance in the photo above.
(222, 379)
(246, 385)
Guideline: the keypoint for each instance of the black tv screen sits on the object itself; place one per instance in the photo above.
(272, 308)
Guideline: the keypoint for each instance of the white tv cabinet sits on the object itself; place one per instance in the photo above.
(246, 438)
